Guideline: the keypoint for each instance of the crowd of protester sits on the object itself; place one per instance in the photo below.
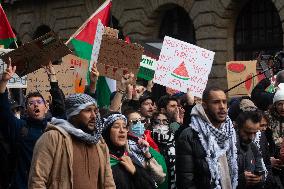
(141, 140)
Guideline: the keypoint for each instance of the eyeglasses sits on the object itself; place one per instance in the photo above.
(161, 121)
(34, 102)
(136, 121)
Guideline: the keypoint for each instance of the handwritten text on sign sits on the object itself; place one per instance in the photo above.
(183, 66)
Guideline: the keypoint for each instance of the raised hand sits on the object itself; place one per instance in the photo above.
(94, 74)
(128, 164)
(9, 72)
(125, 81)
(49, 69)
(138, 92)
(189, 97)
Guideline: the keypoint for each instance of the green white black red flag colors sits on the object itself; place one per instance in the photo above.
(83, 41)
(7, 35)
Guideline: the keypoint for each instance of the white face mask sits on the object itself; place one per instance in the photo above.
(161, 129)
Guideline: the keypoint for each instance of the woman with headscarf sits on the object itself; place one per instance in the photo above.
(128, 172)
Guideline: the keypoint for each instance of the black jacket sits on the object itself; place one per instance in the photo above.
(260, 97)
(191, 166)
(249, 159)
(124, 180)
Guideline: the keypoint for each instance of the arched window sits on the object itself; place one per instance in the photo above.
(176, 23)
(258, 29)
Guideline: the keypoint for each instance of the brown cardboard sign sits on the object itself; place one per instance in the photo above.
(238, 71)
(117, 57)
(80, 67)
(32, 55)
(38, 80)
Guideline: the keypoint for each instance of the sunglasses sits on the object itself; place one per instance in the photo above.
(136, 121)
(161, 121)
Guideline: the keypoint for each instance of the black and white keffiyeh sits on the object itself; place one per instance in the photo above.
(256, 141)
(71, 129)
(112, 118)
(216, 143)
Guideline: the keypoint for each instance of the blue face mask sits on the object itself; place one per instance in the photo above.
(138, 129)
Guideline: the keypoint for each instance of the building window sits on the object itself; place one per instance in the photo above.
(258, 29)
(176, 23)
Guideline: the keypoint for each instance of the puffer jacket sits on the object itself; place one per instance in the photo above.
(190, 155)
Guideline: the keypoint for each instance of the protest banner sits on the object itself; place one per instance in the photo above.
(38, 80)
(31, 56)
(80, 69)
(238, 71)
(147, 68)
(117, 58)
(183, 66)
(15, 81)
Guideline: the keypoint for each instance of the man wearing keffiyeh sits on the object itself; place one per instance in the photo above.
(206, 153)
(72, 154)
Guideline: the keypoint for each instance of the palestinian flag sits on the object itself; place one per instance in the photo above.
(7, 35)
(83, 40)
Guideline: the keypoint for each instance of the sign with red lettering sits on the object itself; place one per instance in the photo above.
(183, 66)
(117, 57)
(80, 67)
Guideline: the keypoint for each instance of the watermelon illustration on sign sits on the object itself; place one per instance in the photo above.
(181, 72)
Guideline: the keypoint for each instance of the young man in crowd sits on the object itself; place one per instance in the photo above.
(250, 167)
(72, 154)
(25, 131)
(206, 153)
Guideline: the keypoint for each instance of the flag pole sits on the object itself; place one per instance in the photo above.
(86, 22)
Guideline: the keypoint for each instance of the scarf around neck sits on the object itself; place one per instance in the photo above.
(216, 143)
(78, 133)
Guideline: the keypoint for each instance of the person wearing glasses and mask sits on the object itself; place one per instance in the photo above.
(164, 137)
(128, 172)
(26, 130)
(141, 150)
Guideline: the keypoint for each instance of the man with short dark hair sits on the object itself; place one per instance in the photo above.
(72, 154)
(251, 167)
(206, 154)
(27, 130)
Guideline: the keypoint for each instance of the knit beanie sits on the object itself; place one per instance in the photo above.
(279, 95)
(75, 103)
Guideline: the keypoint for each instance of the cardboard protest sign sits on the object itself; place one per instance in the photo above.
(38, 80)
(32, 55)
(238, 71)
(117, 58)
(80, 69)
(183, 66)
(147, 68)
(15, 81)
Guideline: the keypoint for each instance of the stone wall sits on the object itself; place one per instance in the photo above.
(213, 20)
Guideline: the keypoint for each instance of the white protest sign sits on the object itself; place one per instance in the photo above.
(183, 66)
(97, 44)
(148, 62)
(147, 67)
(15, 81)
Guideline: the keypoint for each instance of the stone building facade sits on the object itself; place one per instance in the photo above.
(211, 24)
